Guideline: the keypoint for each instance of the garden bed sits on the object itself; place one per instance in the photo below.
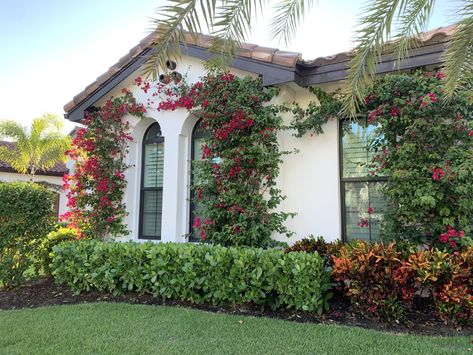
(45, 292)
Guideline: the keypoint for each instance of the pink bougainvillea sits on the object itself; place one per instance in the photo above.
(95, 188)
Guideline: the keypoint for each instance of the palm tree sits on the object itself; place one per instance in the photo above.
(38, 148)
(229, 21)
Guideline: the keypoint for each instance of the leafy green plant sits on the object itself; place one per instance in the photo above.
(196, 272)
(235, 181)
(38, 148)
(426, 151)
(96, 187)
(375, 278)
(312, 244)
(26, 215)
(448, 277)
(424, 146)
(43, 252)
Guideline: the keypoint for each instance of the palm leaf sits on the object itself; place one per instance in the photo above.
(40, 147)
(413, 19)
(375, 30)
(172, 24)
(288, 16)
(459, 54)
(232, 23)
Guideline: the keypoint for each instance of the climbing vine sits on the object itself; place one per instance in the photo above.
(424, 145)
(235, 182)
(96, 187)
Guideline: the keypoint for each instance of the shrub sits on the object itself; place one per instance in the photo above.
(196, 273)
(26, 214)
(43, 253)
(375, 278)
(319, 245)
(449, 279)
(381, 280)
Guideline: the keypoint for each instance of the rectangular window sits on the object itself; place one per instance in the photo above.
(151, 197)
(363, 204)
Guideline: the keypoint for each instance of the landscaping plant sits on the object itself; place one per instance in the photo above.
(26, 216)
(96, 187)
(424, 146)
(311, 245)
(198, 273)
(235, 182)
(381, 280)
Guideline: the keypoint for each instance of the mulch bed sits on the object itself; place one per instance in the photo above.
(46, 293)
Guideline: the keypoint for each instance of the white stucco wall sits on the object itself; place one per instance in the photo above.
(309, 179)
(55, 180)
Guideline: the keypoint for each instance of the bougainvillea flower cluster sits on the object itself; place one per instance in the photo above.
(234, 183)
(422, 145)
(95, 188)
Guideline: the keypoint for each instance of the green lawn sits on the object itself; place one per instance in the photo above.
(138, 329)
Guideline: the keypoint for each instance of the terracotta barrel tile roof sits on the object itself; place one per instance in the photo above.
(266, 55)
(58, 170)
(437, 35)
(246, 50)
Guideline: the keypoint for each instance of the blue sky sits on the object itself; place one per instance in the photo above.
(52, 49)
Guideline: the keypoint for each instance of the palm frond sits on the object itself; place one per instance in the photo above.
(172, 23)
(375, 29)
(13, 130)
(287, 18)
(459, 54)
(15, 159)
(52, 155)
(40, 147)
(413, 19)
(232, 23)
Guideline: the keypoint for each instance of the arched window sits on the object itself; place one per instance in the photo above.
(198, 138)
(151, 196)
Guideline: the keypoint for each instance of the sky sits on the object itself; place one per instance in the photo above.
(50, 50)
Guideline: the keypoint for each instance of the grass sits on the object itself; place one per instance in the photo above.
(103, 328)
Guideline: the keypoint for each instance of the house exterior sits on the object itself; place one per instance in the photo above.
(51, 178)
(321, 186)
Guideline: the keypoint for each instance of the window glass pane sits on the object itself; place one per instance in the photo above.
(153, 165)
(153, 132)
(365, 206)
(152, 211)
(196, 206)
(357, 137)
(198, 143)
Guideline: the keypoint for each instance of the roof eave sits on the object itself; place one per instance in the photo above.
(427, 55)
(272, 74)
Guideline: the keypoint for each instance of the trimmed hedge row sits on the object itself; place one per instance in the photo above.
(196, 273)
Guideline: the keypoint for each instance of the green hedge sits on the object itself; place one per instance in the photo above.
(196, 273)
(26, 216)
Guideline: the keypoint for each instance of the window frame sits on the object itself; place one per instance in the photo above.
(145, 141)
(344, 180)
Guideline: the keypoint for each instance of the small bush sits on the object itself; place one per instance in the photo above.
(44, 251)
(196, 273)
(375, 278)
(319, 245)
(449, 279)
(26, 214)
(382, 279)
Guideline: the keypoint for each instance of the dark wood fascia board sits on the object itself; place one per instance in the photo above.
(39, 173)
(272, 74)
(419, 57)
(77, 114)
